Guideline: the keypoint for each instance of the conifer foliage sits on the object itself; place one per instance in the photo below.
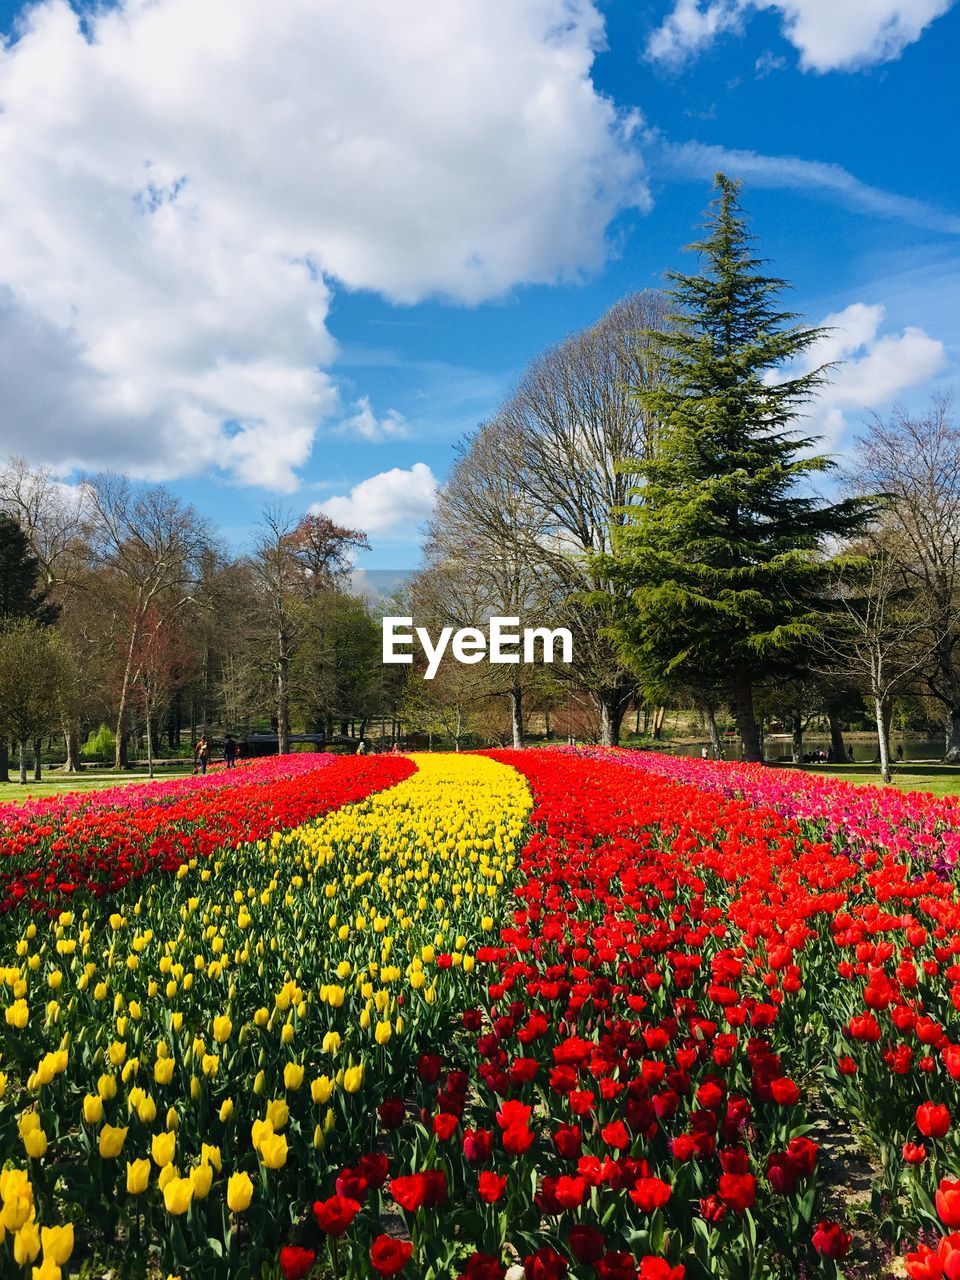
(725, 550)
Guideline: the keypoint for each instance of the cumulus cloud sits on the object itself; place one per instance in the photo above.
(394, 499)
(829, 35)
(365, 424)
(872, 368)
(185, 185)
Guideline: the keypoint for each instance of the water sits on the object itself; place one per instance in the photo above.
(779, 746)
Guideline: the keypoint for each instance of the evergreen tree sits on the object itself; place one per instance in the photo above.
(724, 552)
(20, 596)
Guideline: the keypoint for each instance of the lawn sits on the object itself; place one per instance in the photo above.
(56, 783)
(941, 779)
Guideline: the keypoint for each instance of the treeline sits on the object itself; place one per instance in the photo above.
(648, 485)
(120, 607)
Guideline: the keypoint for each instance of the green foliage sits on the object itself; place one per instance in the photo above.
(20, 594)
(101, 744)
(724, 553)
(29, 679)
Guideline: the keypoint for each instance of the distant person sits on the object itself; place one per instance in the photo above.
(362, 748)
(395, 749)
(229, 752)
(899, 752)
(704, 753)
(851, 755)
(202, 753)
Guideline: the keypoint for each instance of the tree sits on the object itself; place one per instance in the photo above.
(574, 417)
(483, 557)
(290, 563)
(151, 545)
(29, 675)
(915, 462)
(874, 634)
(723, 549)
(21, 595)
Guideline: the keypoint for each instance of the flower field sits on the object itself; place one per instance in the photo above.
(529, 1014)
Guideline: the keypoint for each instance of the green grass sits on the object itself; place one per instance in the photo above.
(941, 779)
(55, 783)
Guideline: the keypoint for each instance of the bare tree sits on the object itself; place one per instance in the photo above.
(875, 635)
(483, 555)
(575, 419)
(152, 544)
(915, 461)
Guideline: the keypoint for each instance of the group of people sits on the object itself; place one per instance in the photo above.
(362, 748)
(201, 753)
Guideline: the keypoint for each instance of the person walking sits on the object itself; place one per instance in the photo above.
(362, 748)
(203, 755)
(229, 752)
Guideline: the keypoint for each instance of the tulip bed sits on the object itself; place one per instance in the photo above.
(532, 1014)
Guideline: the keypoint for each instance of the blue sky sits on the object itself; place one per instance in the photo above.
(298, 262)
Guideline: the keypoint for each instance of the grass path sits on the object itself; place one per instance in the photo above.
(55, 783)
(941, 779)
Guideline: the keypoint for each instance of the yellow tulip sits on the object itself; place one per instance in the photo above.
(35, 1143)
(92, 1108)
(293, 1076)
(273, 1150)
(353, 1079)
(177, 1195)
(321, 1089)
(138, 1176)
(26, 1244)
(163, 1070)
(222, 1029)
(278, 1113)
(47, 1270)
(111, 1141)
(57, 1243)
(239, 1192)
(163, 1147)
(202, 1179)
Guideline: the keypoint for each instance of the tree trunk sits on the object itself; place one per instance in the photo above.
(952, 753)
(71, 741)
(882, 710)
(123, 750)
(283, 692)
(37, 759)
(119, 761)
(658, 718)
(516, 716)
(836, 736)
(4, 761)
(613, 703)
(149, 739)
(797, 723)
(751, 749)
(711, 721)
(23, 764)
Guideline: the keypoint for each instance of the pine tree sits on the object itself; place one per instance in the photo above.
(20, 595)
(724, 551)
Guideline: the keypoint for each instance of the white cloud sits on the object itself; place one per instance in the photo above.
(365, 423)
(873, 368)
(392, 500)
(829, 35)
(701, 160)
(185, 184)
